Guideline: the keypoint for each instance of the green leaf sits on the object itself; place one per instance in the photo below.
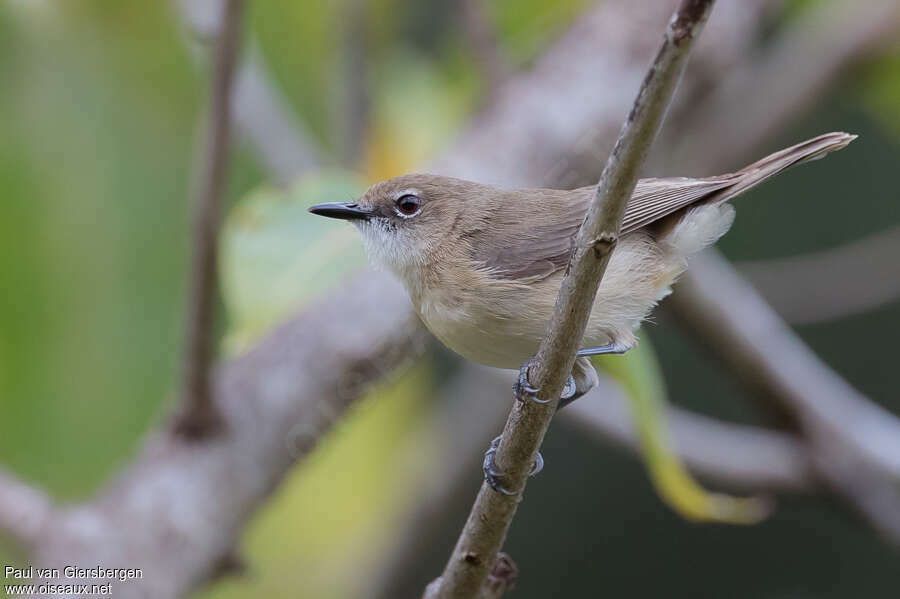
(880, 85)
(275, 256)
(640, 374)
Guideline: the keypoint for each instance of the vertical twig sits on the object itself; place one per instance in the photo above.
(199, 415)
(485, 531)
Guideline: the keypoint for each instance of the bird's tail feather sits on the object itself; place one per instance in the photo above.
(771, 165)
(702, 223)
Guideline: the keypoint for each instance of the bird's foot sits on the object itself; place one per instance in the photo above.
(569, 390)
(523, 389)
(494, 477)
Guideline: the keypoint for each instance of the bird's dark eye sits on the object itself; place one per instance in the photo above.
(408, 204)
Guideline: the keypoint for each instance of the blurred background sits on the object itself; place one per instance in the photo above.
(100, 115)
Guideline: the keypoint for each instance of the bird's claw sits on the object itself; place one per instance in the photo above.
(523, 388)
(494, 477)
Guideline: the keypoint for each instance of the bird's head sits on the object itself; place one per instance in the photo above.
(404, 220)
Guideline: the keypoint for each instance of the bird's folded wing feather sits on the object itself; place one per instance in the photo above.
(546, 247)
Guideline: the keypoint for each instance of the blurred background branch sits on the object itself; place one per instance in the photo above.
(795, 70)
(199, 415)
(23, 509)
(830, 284)
(261, 113)
(853, 443)
(179, 508)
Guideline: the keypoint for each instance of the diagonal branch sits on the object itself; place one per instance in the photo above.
(490, 518)
(802, 64)
(179, 508)
(199, 416)
(852, 441)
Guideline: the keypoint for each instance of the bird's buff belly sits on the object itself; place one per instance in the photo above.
(490, 340)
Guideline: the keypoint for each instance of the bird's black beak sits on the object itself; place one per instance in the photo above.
(341, 210)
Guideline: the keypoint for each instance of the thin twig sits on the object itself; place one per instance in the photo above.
(199, 415)
(593, 45)
(24, 510)
(851, 440)
(490, 518)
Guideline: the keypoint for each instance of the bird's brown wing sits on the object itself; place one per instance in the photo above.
(545, 248)
(655, 198)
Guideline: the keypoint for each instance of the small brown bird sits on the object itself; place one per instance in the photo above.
(483, 265)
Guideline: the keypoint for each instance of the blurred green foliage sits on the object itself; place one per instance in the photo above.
(274, 258)
(98, 120)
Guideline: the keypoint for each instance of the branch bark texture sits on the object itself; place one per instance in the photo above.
(485, 531)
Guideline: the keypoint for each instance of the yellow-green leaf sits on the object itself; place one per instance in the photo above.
(275, 256)
(639, 373)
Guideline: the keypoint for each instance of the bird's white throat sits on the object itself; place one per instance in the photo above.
(394, 249)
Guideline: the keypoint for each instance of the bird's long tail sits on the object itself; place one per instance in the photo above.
(771, 165)
(702, 222)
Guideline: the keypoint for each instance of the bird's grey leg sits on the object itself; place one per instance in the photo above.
(583, 379)
(609, 348)
(494, 477)
(524, 391)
